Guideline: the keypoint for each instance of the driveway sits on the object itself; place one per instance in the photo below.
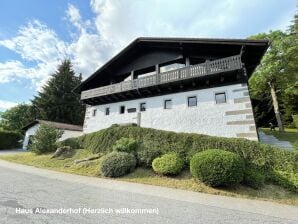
(10, 151)
(24, 188)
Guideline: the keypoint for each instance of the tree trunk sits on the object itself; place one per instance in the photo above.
(276, 107)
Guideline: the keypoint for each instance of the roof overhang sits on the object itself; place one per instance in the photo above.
(251, 50)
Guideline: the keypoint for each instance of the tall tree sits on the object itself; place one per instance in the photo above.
(17, 117)
(275, 80)
(57, 101)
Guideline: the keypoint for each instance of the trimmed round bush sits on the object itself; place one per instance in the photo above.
(168, 164)
(253, 178)
(125, 145)
(116, 164)
(146, 156)
(217, 167)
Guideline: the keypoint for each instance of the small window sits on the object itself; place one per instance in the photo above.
(192, 101)
(142, 106)
(220, 98)
(94, 112)
(122, 109)
(131, 110)
(168, 104)
(107, 111)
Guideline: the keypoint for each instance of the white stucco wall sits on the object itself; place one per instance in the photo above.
(32, 130)
(206, 118)
(70, 134)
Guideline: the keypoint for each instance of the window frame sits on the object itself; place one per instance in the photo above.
(131, 110)
(94, 111)
(165, 104)
(219, 93)
(141, 107)
(107, 111)
(120, 109)
(188, 98)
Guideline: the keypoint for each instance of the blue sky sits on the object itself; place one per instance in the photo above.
(35, 35)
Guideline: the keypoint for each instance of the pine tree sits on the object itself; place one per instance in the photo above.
(57, 101)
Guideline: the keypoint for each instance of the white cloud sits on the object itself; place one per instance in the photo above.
(4, 105)
(35, 43)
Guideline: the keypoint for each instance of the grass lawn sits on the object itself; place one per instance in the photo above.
(147, 176)
(290, 135)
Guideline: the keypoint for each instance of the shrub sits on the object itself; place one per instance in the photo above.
(128, 145)
(295, 120)
(45, 139)
(71, 142)
(287, 180)
(146, 156)
(116, 164)
(217, 167)
(168, 164)
(187, 145)
(253, 178)
(9, 139)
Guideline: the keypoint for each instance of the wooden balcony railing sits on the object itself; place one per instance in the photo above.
(193, 71)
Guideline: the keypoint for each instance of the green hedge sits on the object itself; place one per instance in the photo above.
(186, 145)
(10, 140)
(295, 120)
(216, 167)
(117, 164)
(168, 164)
(128, 145)
(253, 178)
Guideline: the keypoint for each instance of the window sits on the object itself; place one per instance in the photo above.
(168, 104)
(94, 112)
(107, 111)
(192, 101)
(142, 106)
(131, 110)
(122, 109)
(220, 98)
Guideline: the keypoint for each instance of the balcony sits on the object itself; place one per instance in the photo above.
(187, 73)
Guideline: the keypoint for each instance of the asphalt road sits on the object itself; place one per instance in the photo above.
(24, 188)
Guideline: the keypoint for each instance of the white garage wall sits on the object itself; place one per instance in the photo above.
(206, 118)
(70, 134)
(32, 130)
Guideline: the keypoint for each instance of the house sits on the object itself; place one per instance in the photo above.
(178, 84)
(69, 130)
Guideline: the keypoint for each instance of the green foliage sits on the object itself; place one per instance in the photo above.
(128, 145)
(17, 117)
(253, 178)
(186, 145)
(168, 164)
(288, 180)
(217, 167)
(295, 120)
(9, 139)
(279, 66)
(45, 139)
(57, 101)
(74, 143)
(116, 164)
(147, 153)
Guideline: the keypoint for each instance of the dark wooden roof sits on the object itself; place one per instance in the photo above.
(252, 52)
(58, 125)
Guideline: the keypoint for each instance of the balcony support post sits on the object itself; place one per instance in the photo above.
(157, 70)
(187, 61)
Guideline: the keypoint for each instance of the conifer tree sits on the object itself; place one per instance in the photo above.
(57, 101)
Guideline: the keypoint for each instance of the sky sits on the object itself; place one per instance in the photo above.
(36, 36)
